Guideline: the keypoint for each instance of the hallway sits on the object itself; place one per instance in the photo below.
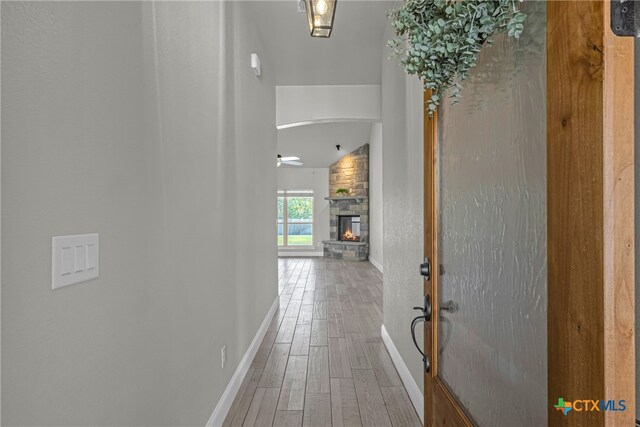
(322, 361)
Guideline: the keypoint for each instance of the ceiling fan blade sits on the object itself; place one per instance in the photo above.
(289, 158)
(293, 163)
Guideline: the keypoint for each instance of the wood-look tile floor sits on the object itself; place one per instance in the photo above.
(322, 361)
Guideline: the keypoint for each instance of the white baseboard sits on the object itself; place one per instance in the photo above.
(376, 264)
(415, 394)
(299, 253)
(224, 404)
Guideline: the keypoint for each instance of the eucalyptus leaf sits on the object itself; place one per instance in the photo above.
(443, 38)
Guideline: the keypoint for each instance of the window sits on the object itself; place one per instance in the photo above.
(295, 218)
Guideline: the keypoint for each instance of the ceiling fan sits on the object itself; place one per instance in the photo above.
(291, 160)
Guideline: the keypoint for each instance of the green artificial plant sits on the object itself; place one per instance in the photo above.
(439, 40)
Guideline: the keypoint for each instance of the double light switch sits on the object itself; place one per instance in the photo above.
(75, 259)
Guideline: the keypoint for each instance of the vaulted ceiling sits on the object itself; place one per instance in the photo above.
(316, 144)
(351, 56)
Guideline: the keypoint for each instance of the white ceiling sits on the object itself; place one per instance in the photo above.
(316, 144)
(352, 55)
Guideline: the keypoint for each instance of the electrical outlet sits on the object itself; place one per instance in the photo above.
(223, 353)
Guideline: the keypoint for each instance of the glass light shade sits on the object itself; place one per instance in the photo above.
(320, 14)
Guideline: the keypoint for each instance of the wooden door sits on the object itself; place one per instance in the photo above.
(584, 342)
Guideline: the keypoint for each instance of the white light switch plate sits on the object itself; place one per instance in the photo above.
(74, 259)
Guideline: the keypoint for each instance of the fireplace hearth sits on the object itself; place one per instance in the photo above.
(349, 228)
(349, 214)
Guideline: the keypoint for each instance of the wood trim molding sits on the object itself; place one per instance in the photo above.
(376, 264)
(440, 406)
(447, 411)
(414, 392)
(590, 212)
(297, 254)
(618, 194)
(430, 247)
(226, 400)
(574, 206)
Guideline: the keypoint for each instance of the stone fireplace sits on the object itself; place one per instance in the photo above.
(349, 214)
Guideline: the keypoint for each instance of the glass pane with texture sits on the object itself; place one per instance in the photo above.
(492, 233)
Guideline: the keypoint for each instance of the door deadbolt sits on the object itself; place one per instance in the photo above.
(425, 269)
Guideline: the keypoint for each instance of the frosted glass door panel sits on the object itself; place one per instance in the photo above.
(492, 233)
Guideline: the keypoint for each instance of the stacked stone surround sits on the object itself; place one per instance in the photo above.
(350, 172)
(349, 207)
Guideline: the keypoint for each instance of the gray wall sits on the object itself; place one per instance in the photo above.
(376, 250)
(137, 121)
(402, 149)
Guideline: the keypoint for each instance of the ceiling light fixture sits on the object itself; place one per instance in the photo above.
(320, 14)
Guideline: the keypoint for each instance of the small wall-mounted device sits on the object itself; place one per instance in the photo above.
(338, 147)
(255, 64)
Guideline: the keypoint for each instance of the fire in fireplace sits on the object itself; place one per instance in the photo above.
(349, 228)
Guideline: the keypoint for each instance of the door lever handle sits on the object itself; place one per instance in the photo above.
(450, 306)
(426, 309)
(425, 317)
(426, 361)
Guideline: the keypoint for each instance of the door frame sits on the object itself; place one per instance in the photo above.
(590, 222)
(438, 400)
